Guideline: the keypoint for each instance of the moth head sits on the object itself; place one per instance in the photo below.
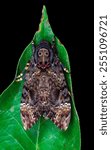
(43, 55)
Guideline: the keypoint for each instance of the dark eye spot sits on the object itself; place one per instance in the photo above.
(40, 62)
(45, 62)
(46, 52)
(39, 53)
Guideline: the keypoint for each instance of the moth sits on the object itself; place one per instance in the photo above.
(45, 91)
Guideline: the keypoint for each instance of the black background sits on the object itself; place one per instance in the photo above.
(72, 23)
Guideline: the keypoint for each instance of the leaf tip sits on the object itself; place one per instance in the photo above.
(44, 11)
(44, 7)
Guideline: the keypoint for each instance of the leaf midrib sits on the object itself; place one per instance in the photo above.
(38, 130)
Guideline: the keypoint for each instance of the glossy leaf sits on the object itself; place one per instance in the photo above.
(44, 135)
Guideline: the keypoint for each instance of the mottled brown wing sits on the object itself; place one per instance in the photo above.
(60, 109)
(30, 112)
(60, 115)
(28, 115)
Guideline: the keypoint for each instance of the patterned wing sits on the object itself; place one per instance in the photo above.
(60, 114)
(30, 112)
(60, 109)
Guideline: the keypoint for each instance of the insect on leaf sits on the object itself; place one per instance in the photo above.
(51, 130)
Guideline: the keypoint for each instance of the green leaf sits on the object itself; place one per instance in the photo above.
(44, 135)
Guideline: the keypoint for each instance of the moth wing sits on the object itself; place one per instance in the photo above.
(60, 110)
(28, 115)
(60, 113)
(28, 107)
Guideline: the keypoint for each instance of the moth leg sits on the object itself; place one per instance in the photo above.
(65, 69)
(21, 75)
(33, 46)
(69, 93)
(54, 44)
(27, 66)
